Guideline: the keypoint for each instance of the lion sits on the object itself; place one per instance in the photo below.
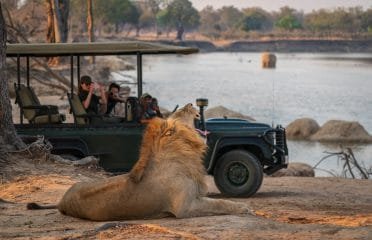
(186, 115)
(172, 184)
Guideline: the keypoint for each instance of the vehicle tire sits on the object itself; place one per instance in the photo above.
(238, 173)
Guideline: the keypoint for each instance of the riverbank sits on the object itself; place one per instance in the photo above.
(285, 208)
(282, 46)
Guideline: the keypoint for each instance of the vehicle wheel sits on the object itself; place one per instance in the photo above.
(238, 173)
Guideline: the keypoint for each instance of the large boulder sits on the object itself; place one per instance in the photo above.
(295, 169)
(221, 112)
(302, 129)
(337, 130)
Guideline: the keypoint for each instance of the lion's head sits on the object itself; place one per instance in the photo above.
(169, 140)
(174, 136)
(186, 114)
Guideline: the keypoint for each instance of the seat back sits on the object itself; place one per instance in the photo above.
(132, 109)
(77, 109)
(25, 99)
(31, 108)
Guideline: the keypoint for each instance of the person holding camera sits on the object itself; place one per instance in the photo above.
(113, 99)
(149, 108)
(91, 102)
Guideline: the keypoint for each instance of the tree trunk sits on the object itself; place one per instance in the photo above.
(138, 29)
(180, 31)
(57, 21)
(8, 134)
(50, 22)
(64, 6)
(57, 32)
(90, 21)
(90, 25)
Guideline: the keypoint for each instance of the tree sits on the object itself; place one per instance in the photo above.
(181, 15)
(148, 10)
(230, 17)
(289, 19)
(367, 20)
(319, 21)
(209, 22)
(8, 134)
(255, 19)
(117, 12)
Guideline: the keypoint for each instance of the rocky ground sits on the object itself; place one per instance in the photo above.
(285, 208)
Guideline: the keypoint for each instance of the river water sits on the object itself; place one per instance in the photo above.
(322, 86)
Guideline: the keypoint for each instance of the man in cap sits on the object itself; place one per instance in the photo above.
(91, 102)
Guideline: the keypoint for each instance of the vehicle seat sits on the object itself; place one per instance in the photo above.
(31, 108)
(82, 117)
(132, 109)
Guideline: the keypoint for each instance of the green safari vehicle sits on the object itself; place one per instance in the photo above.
(239, 151)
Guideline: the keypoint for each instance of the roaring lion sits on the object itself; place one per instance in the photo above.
(186, 114)
(172, 183)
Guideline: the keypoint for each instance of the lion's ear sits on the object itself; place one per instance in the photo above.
(189, 105)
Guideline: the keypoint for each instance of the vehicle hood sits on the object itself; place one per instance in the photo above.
(231, 124)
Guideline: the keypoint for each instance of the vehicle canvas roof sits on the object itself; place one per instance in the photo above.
(95, 48)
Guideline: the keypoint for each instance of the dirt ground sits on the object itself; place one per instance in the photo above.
(286, 208)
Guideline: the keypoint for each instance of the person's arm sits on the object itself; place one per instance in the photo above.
(103, 100)
(86, 102)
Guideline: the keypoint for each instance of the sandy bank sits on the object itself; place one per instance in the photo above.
(286, 208)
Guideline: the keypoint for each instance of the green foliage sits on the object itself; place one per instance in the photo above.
(179, 12)
(223, 22)
(163, 18)
(318, 20)
(289, 19)
(209, 20)
(117, 12)
(148, 10)
(288, 23)
(255, 19)
(366, 21)
(230, 17)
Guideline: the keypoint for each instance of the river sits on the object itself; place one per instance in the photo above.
(322, 86)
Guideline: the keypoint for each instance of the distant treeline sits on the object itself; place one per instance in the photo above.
(179, 16)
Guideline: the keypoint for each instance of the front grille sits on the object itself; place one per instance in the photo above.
(280, 138)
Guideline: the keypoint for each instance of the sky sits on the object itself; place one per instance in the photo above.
(274, 5)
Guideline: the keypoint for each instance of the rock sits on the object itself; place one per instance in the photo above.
(302, 129)
(295, 169)
(337, 130)
(221, 111)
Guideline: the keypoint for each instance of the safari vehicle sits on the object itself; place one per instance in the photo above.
(239, 151)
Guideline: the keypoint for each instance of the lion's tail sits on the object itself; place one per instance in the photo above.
(35, 206)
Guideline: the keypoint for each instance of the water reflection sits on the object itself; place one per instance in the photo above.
(312, 152)
(322, 86)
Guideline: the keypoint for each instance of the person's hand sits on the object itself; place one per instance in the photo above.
(91, 87)
(100, 87)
